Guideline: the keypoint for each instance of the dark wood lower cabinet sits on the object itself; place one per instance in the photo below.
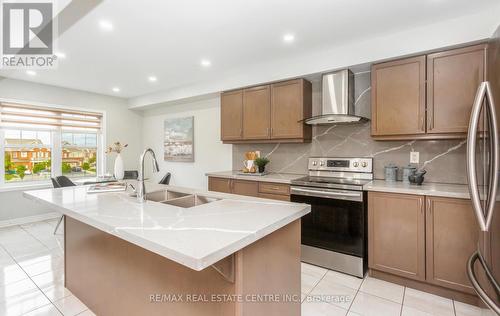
(219, 184)
(396, 234)
(274, 196)
(245, 187)
(422, 242)
(266, 190)
(452, 236)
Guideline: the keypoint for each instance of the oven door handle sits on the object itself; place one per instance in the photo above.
(354, 196)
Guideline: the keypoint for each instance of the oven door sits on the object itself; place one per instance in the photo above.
(336, 221)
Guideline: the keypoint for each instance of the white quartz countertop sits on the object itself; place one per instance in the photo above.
(271, 177)
(196, 237)
(429, 189)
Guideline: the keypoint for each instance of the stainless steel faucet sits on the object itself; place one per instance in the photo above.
(141, 188)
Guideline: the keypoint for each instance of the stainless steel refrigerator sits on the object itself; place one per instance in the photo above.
(483, 164)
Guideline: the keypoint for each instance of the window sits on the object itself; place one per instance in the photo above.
(79, 154)
(22, 160)
(43, 142)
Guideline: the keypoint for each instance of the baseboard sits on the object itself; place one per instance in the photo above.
(29, 219)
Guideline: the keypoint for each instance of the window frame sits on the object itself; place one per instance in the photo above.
(56, 146)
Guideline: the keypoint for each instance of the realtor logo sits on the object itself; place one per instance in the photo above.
(27, 28)
(28, 35)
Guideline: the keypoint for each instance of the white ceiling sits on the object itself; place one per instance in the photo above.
(168, 39)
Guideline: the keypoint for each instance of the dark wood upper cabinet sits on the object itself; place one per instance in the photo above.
(453, 77)
(428, 96)
(257, 112)
(398, 97)
(452, 236)
(268, 113)
(290, 104)
(232, 115)
(396, 234)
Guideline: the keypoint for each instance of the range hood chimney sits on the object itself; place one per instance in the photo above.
(338, 105)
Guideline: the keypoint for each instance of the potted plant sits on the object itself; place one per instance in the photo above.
(117, 147)
(261, 163)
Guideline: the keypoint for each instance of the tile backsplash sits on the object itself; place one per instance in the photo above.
(444, 160)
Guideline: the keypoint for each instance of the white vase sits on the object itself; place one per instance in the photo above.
(119, 172)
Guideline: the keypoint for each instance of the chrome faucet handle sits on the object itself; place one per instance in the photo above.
(134, 193)
(132, 187)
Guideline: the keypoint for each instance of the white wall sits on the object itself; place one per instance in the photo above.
(121, 124)
(210, 153)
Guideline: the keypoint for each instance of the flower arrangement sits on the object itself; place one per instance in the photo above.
(117, 147)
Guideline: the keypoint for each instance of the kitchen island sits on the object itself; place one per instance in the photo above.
(182, 252)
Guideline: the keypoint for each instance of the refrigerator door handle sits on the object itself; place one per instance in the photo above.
(475, 284)
(471, 156)
(493, 183)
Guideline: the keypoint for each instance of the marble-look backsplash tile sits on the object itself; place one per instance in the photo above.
(444, 160)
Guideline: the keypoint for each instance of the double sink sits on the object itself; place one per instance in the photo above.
(180, 199)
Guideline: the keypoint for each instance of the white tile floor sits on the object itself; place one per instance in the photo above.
(32, 283)
(348, 295)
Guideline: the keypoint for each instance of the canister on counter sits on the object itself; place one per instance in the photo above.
(408, 171)
(391, 172)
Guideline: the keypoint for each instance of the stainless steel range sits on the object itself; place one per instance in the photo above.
(334, 233)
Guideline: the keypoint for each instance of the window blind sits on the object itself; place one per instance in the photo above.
(22, 115)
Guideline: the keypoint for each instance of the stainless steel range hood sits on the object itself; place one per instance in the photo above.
(338, 106)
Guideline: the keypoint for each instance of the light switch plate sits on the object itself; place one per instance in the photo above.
(414, 157)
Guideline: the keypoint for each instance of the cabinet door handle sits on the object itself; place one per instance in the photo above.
(430, 118)
(422, 124)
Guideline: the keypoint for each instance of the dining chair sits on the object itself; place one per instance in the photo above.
(165, 179)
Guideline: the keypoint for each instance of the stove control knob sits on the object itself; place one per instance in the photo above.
(355, 164)
(364, 164)
(322, 163)
(314, 163)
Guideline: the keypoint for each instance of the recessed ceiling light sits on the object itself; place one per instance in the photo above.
(106, 25)
(60, 55)
(116, 89)
(31, 72)
(205, 63)
(288, 38)
(152, 79)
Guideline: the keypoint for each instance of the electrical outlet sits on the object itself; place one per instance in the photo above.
(414, 157)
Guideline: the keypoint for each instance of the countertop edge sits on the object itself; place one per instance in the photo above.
(265, 178)
(195, 264)
(436, 192)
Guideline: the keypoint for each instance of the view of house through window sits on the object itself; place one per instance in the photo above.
(79, 154)
(27, 155)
